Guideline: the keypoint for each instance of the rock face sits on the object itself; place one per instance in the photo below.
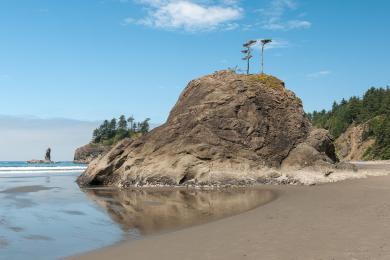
(90, 152)
(316, 150)
(352, 144)
(225, 128)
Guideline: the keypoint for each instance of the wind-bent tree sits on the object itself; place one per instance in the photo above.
(263, 43)
(248, 53)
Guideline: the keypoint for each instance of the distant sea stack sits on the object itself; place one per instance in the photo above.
(226, 128)
(46, 160)
(90, 152)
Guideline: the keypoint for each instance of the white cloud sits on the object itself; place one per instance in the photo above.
(318, 74)
(231, 26)
(274, 16)
(297, 24)
(190, 16)
(230, 2)
(128, 21)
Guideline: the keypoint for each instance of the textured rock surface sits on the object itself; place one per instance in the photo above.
(225, 128)
(352, 144)
(317, 150)
(90, 152)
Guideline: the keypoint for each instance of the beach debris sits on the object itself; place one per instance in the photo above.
(327, 173)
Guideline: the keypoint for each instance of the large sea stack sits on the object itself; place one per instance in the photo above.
(226, 128)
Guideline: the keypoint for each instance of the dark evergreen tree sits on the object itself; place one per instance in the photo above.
(110, 132)
(122, 123)
(144, 126)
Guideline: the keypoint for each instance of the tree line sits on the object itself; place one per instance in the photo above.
(110, 132)
(373, 108)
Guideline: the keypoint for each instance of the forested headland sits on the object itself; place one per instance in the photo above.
(114, 130)
(373, 109)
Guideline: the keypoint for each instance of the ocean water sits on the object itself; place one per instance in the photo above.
(19, 167)
(45, 215)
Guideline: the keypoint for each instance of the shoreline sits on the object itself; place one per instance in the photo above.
(342, 220)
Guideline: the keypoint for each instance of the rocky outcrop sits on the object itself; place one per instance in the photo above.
(225, 128)
(90, 152)
(317, 150)
(48, 155)
(46, 160)
(353, 144)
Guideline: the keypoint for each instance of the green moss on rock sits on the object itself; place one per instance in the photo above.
(268, 80)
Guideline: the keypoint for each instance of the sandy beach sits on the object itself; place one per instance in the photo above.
(343, 220)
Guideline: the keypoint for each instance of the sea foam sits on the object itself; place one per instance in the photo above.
(55, 169)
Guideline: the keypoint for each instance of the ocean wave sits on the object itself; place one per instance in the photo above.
(26, 170)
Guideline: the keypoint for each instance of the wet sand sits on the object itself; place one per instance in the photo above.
(343, 220)
(47, 216)
(152, 211)
(26, 189)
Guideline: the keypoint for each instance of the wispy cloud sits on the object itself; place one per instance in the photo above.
(128, 21)
(190, 16)
(275, 44)
(275, 16)
(318, 74)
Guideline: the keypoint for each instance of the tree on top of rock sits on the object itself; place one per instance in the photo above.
(248, 53)
(263, 43)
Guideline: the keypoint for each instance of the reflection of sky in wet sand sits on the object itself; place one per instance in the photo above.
(47, 217)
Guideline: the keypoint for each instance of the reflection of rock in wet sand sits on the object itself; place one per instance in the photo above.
(27, 189)
(3, 242)
(38, 237)
(74, 212)
(152, 211)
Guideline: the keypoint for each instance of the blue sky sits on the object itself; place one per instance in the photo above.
(95, 59)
